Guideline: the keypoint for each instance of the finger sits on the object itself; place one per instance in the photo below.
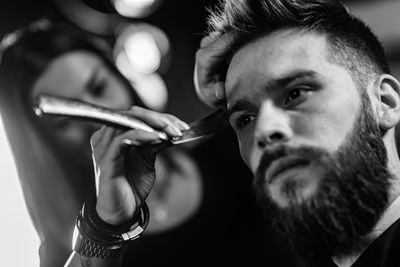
(139, 138)
(173, 125)
(219, 89)
(215, 44)
(163, 122)
(134, 137)
(210, 56)
(207, 40)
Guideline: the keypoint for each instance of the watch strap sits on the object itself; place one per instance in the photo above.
(90, 248)
(94, 241)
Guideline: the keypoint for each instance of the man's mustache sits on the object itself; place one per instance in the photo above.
(308, 153)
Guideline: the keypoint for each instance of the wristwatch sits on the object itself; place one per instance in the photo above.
(91, 240)
(86, 246)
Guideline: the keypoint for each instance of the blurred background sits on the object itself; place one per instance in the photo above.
(154, 43)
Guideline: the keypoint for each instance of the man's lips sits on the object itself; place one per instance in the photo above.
(283, 164)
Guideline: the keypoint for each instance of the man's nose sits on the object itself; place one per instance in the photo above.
(273, 126)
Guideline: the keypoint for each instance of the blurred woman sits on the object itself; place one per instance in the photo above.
(52, 155)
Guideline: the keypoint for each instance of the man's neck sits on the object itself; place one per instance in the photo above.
(391, 215)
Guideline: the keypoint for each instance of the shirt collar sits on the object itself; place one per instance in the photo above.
(391, 215)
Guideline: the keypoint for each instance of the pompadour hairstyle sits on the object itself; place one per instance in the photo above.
(351, 42)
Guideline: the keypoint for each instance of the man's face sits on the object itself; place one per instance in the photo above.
(282, 89)
(311, 139)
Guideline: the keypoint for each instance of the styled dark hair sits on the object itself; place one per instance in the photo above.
(351, 42)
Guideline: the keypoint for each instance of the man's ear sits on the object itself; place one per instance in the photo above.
(388, 92)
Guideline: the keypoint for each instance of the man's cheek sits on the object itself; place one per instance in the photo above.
(249, 153)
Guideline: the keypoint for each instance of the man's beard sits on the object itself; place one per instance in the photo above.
(351, 196)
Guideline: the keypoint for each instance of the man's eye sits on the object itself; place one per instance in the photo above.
(243, 120)
(295, 96)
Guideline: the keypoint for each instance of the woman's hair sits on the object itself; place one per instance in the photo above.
(26, 53)
(54, 186)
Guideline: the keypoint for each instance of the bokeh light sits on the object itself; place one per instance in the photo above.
(140, 50)
(143, 52)
(146, 46)
(150, 87)
(136, 8)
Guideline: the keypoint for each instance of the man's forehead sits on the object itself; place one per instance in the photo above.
(295, 75)
(275, 49)
(276, 56)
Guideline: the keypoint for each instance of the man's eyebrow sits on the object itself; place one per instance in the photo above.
(242, 104)
(298, 74)
(245, 104)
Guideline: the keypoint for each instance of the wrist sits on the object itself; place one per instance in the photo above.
(95, 238)
(113, 223)
(112, 217)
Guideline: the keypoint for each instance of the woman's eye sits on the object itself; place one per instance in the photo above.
(98, 88)
(244, 120)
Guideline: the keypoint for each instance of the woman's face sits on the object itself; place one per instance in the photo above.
(84, 76)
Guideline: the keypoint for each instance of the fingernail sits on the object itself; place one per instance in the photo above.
(176, 130)
(219, 94)
(183, 125)
(127, 142)
(163, 136)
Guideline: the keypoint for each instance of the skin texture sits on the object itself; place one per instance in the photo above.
(282, 91)
(316, 108)
(346, 186)
(314, 104)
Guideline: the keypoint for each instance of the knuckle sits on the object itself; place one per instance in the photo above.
(204, 41)
(170, 117)
(134, 108)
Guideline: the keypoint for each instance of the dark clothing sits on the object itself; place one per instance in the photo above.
(384, 251)
(228, 230)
